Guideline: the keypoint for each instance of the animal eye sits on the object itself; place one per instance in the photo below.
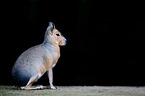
(57, 35)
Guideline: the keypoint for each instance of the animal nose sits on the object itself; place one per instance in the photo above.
(64, 39)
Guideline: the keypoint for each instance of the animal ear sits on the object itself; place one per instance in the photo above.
(50, 27)
(52, 24)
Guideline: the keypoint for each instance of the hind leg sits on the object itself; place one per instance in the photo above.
(31, 81)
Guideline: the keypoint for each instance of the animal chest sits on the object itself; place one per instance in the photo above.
(56, 56)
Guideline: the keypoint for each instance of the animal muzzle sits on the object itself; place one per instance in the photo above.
(63, 42)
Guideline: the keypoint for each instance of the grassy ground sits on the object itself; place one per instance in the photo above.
(75, 91)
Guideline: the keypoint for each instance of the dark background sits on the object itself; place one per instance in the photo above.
(105, 39)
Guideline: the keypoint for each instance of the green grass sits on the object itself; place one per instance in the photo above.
(75, 91)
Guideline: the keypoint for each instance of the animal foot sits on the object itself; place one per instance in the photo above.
(22, 88)
(39, 87)
(33, 87)
(52, 87)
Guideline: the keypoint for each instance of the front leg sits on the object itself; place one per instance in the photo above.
(50, 75)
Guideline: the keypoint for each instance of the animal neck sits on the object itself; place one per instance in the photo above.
(53, 47)
(46, 39)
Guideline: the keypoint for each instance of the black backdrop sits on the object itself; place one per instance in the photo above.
(105, 40)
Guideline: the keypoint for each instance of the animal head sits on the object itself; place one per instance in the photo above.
(53, 36)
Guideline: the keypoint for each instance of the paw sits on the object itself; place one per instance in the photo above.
(22, 88)
(39, 87)
(25, 88)
(32, 87)
(52, 87)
